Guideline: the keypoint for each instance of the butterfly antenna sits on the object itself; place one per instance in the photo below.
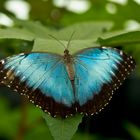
(70, 40)
(57, 40)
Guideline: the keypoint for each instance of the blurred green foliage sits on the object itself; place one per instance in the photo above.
(133, 130)
(92, 28)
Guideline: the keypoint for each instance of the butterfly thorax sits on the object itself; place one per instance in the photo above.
(68, 59)
(67, 56)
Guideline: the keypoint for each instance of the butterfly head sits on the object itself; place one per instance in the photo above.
(66, 52)
(67, 56)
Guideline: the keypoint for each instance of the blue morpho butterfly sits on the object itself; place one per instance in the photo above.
(65, 85)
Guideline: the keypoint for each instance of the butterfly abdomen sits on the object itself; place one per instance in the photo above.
(70, 70)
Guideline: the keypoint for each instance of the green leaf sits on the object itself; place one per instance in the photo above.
(15, 33)
(35, 28)
(36, 126)
(63, 129)
(133, 130)
(126, 38)
(84, 30)
(51, 45)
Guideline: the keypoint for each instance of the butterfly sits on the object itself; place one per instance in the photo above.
(64, 85)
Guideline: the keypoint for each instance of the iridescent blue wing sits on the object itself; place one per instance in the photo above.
(43, 78)
(98, 72)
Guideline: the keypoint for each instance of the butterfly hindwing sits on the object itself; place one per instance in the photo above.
(98, 72)
(43, 78)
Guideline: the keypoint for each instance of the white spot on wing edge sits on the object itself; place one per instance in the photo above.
(2, 61)
(121, 52)
(129, 66)
(104, 47)
(21, 54)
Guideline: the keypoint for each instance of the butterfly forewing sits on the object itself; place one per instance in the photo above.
(43, 78)
(98, 73)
